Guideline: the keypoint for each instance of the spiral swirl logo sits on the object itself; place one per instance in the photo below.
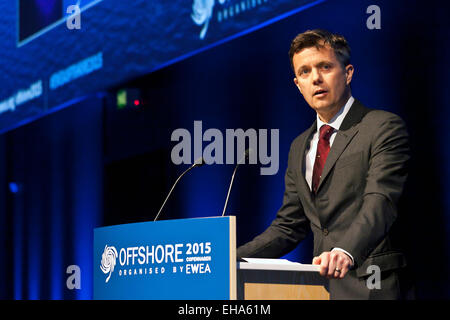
(108, 263)
(202, 11)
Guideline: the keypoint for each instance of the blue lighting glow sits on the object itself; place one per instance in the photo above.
(13, 187)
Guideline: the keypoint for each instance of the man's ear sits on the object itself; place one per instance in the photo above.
(349, 73)
(297, 85)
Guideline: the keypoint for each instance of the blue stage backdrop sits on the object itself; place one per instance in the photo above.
(93, 164)
(53, 201)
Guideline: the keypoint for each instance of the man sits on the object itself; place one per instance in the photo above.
(344, 178)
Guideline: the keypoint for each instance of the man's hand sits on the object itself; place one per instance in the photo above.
(334, 264)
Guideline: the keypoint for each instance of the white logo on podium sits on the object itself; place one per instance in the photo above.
(108, 263)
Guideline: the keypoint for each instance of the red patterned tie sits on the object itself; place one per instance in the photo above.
(323, 148)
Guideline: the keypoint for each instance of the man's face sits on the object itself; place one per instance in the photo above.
(322, 80)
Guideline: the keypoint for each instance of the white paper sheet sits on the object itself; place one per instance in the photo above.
(270, 261)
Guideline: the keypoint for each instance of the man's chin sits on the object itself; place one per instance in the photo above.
(322, 107)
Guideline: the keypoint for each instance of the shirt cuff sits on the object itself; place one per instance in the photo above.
(342, 250)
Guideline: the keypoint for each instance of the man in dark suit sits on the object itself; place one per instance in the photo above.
(344, 178)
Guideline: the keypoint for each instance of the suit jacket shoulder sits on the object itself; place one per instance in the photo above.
(377, 116)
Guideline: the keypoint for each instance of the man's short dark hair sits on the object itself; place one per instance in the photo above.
(319, 38)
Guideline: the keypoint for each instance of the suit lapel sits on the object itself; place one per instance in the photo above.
(303, 147)
(345, 134)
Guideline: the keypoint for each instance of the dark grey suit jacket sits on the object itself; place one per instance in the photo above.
(355, 205)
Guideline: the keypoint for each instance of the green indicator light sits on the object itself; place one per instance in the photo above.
(121, 99)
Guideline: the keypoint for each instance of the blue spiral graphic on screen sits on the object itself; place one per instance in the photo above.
(202, 11)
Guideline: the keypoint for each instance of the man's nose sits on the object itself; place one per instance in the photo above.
(316, 76)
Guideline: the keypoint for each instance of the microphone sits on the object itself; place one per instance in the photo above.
(244, 157)
(197, 163)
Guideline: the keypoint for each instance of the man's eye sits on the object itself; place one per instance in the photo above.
(326, 66)
(304, 71)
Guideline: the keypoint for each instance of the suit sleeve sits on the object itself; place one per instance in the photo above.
(385, 180)
(288, 228)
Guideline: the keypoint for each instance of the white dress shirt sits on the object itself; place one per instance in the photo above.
(335, 123)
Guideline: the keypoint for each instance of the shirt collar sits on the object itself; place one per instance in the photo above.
(336, 121)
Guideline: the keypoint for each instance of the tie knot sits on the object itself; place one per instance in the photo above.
(325, 132)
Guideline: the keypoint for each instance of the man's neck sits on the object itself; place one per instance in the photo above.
(326, 116)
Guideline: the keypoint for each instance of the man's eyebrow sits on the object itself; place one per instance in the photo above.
(324, 62)
(318, 64)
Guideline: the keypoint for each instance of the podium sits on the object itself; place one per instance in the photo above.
(192, 259)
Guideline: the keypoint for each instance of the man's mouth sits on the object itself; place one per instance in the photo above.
(320, 93)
